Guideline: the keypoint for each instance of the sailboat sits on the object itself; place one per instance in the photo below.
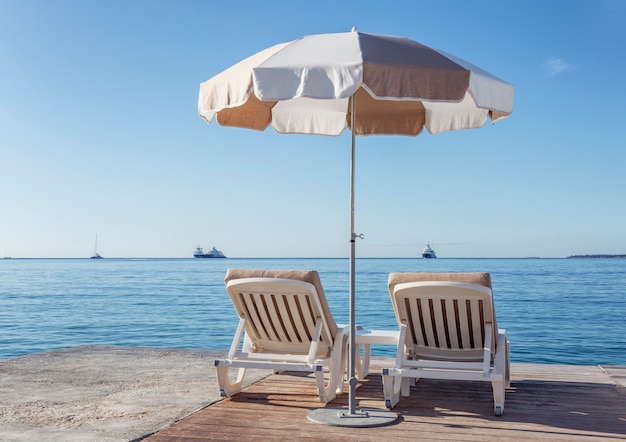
(95, 250)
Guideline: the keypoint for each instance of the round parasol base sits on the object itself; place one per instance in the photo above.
(363, 417)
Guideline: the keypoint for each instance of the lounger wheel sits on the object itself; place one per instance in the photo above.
(498, 411)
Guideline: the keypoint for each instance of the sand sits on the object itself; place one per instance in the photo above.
(104, 393)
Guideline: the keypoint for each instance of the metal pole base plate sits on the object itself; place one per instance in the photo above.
(363, 417)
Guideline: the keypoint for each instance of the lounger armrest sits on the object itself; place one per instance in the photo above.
(237, 339)
(487, 349)
(400, 349)
(315, 340)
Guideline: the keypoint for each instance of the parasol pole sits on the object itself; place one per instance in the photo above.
(350, 417)
(352, 274)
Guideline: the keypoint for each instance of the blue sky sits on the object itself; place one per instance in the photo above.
(99, 134)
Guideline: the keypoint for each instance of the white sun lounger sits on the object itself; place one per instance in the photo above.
(448, 330)
(286, 325)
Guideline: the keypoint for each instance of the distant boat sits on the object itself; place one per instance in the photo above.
(95, 250)
(428, 252)
(213, 253)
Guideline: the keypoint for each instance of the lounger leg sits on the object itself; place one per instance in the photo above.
(363, 362)
(327, 390)
(335, 377)
(508, 365)
(391, 389)
(501, 367)
(336, 370)
(405, 388)
(228, 388)
(498, 397)
(342, 372)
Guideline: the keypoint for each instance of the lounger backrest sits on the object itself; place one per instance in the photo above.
(281, 308)
(445, 313)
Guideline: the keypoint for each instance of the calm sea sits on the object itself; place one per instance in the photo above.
(556, 311)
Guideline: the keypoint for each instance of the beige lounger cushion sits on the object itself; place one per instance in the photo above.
(479, 278)
(310, 276)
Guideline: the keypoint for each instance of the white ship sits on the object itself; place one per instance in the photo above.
(213, 253)
(428, 252)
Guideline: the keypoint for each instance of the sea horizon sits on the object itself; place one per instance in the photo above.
(592, 256)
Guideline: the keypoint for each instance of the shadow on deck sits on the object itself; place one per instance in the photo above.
(545, 402)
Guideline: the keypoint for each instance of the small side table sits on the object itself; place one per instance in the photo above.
(366, 338)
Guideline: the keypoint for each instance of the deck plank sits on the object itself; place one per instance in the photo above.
(545, 402)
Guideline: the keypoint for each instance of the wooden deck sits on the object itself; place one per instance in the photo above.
(545, 402)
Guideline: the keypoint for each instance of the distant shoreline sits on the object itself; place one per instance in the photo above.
(597, 256)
